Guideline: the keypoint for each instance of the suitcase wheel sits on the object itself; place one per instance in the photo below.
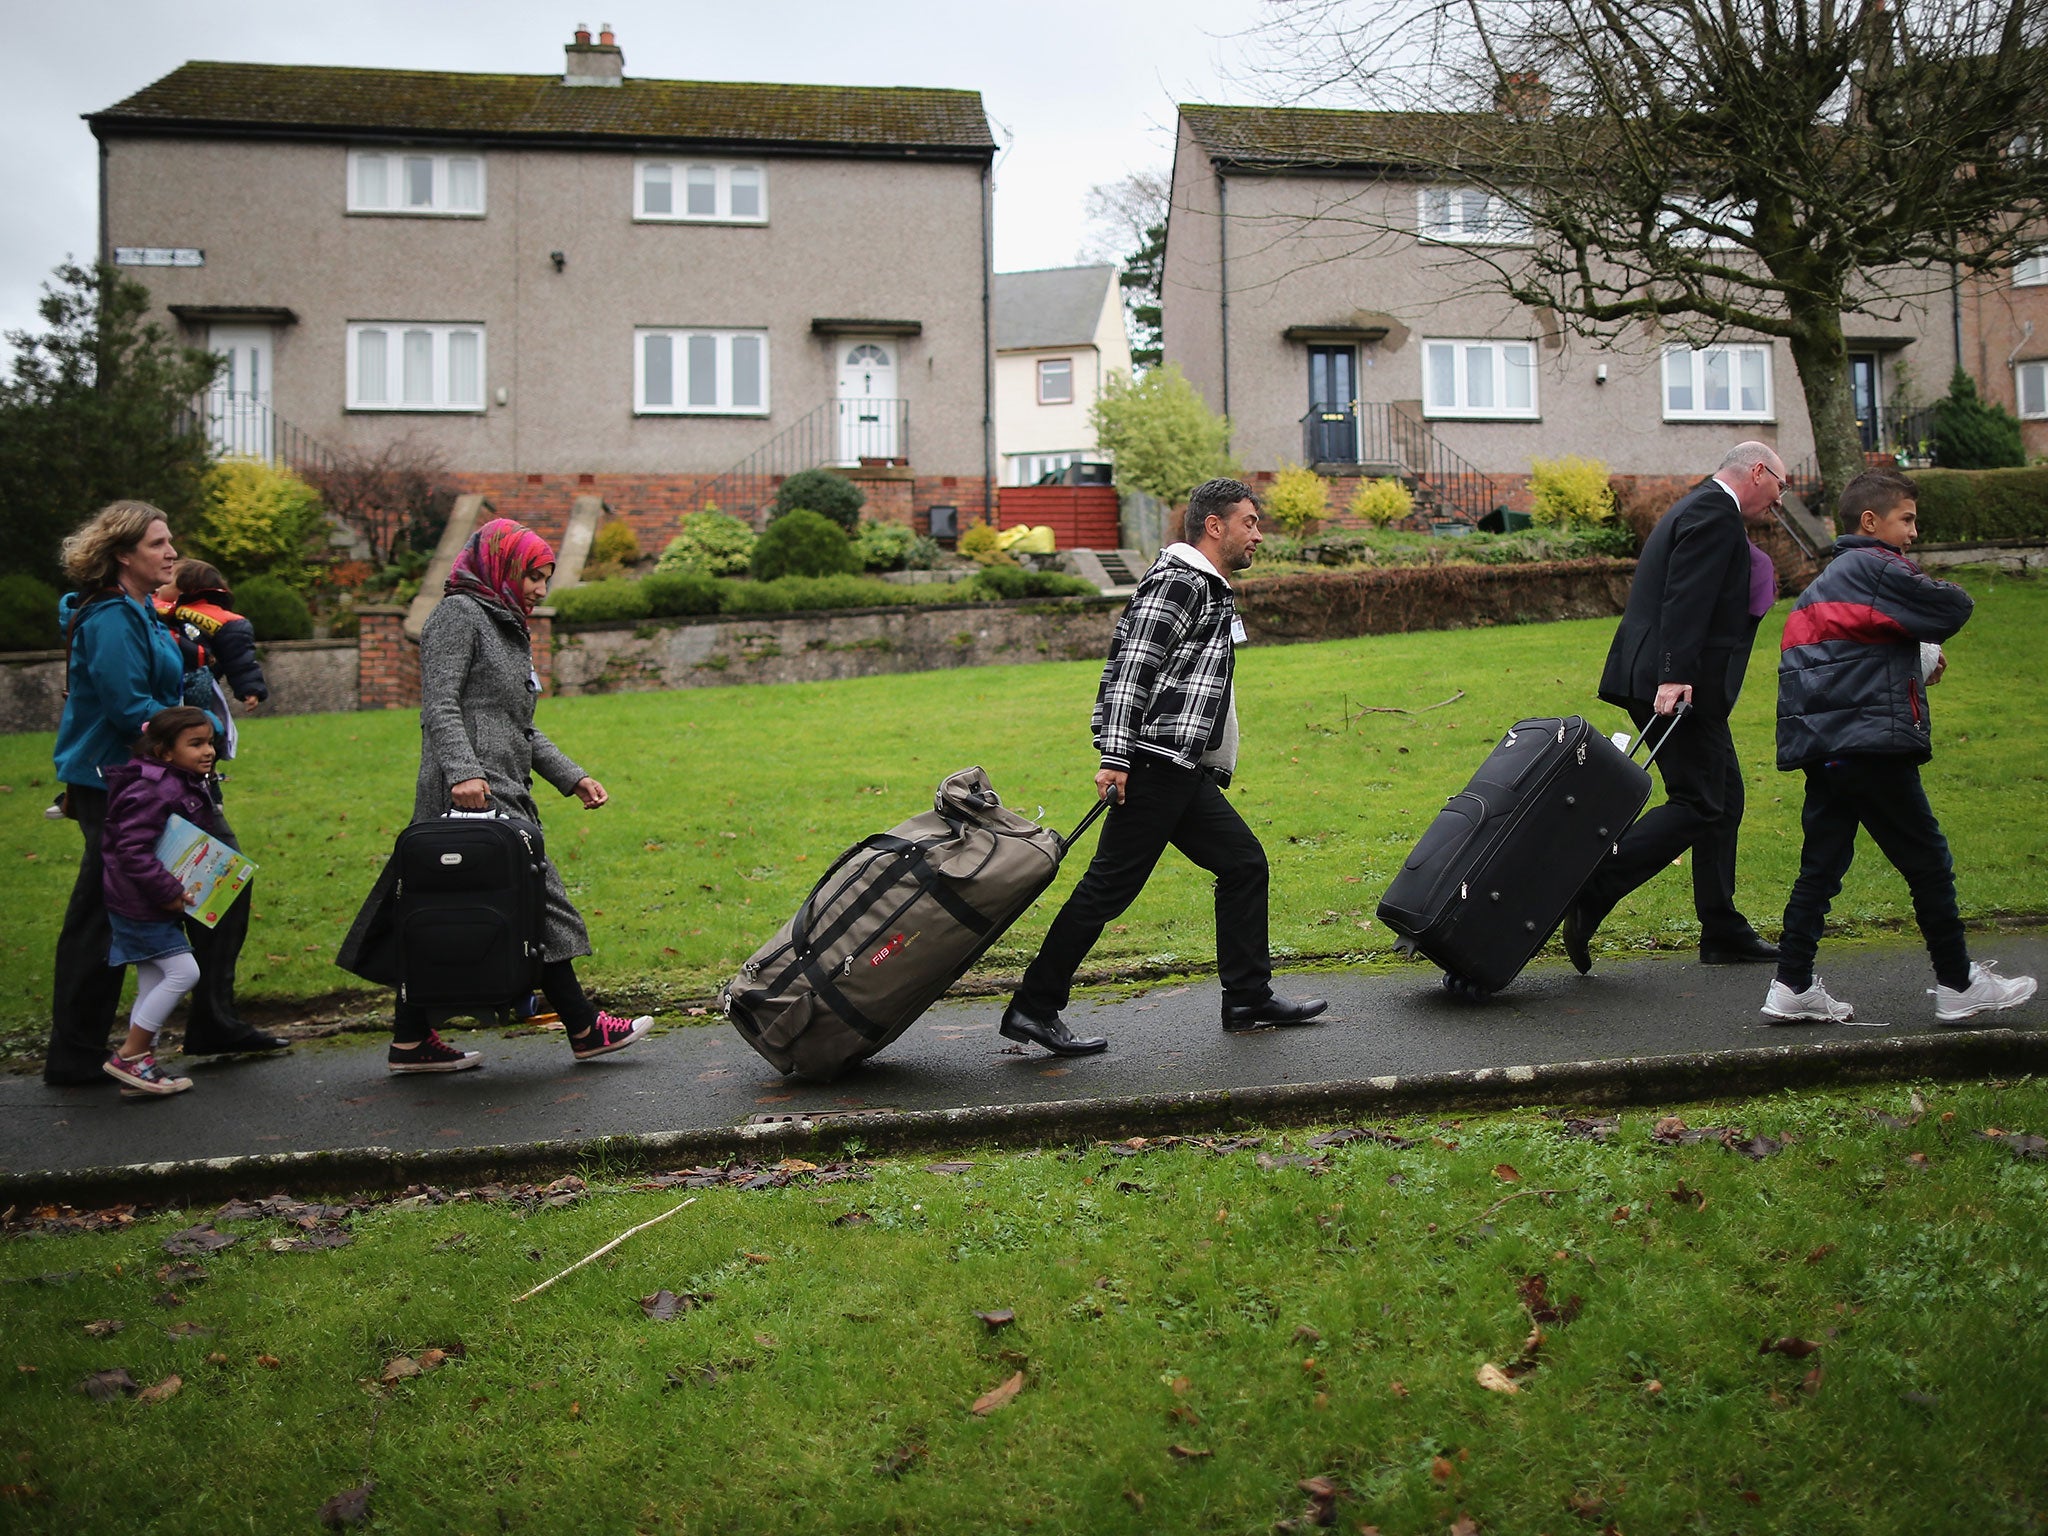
(1463, 989)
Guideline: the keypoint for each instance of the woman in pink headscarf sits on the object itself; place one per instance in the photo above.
(479, 750)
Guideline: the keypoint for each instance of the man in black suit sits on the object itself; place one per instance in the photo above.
(1700, 587)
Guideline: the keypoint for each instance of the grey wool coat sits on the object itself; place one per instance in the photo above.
(477, 696)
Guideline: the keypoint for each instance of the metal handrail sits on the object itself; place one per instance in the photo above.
(1372, 433)
(849, 431)
(238, 425)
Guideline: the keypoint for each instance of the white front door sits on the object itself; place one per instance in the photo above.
(868, 407)
(238, 410)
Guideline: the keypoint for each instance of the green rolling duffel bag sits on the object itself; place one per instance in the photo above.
(896, 920)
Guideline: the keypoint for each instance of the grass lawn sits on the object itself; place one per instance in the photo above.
(728, 802)
(1197, 1328)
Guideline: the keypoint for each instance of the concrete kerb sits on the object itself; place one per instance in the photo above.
(1600, 1084)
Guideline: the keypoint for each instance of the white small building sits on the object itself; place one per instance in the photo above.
(1059, 334)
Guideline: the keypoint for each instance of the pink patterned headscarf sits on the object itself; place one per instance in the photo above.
(494, 559)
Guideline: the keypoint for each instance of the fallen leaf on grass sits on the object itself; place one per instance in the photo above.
(1494, 1379)
(1810, 1384)
(1397, 1389)
(184, 1272)
(948, 1168)
(1695, 1198)
(456, 1240)
(168, 1387)
(2032, 1148)
(105, 1327)
(1820, 1253)
(1464, 1525)
(1441, 1470)
(188, 1331)
(757, 1258)
(269, 1362)
(103, 1385)
(852, 1219)
(1272, 1160)
(1587, 1506)
(1505, 1172)
(349, 1507)
(1598, 1129)
(1322, 1499)
(1306, 1334)
(1180, 1386)
(1181, 1452)
(996, 1397)
(200, 1239)
(1791, 1348)
(1002, 1317)
(1757, 1148)
(664, 1305)
(168, 1299)
(401, 1368)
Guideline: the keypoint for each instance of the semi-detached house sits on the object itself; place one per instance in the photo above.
(1328, 285)
(576, 283)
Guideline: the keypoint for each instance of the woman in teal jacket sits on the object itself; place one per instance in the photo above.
(122, 667)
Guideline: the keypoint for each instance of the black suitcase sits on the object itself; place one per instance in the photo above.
(1492, 877)
(470, 898)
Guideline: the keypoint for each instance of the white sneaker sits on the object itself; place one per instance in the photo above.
(1987, 993)
(1813, 1006)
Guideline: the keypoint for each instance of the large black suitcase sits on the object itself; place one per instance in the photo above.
(470, 899)
(896, 920)
(1493, 876)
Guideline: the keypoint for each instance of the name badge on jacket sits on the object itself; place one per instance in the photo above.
(1237, 634)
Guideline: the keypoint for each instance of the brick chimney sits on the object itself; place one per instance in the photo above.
(1522, 95)
(600, 63)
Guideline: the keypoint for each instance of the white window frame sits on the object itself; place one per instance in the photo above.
(1448, 222)
(440, 204)
(722, 173)
(1678, 206)
(2030, 270)
(1043, 397)
(1735, 351)
(1462, 359)
(2035, 369)
(680, 337)
(395, 332)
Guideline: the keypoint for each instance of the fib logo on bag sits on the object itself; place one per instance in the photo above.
(894, 946)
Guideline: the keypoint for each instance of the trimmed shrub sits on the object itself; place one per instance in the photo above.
(820, 491)
(257, 521)
(922, 555)
(1381, 502)
(615, 543)
(1001, 582)
(1165, 439)
(982, 544)
(670, 593)
(1971, 432)
(273, 609)
(712, 543)
(1959, 506)
(28, 615)
(884, 546)
(601, 600)
(1570, 492)
(795, 594)
(1297, 497)
(803, 543)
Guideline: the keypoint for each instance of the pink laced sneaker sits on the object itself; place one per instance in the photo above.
(432, 1054)
(610, 1033)
(142, 1078)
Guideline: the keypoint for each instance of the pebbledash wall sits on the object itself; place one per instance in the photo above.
(306, 677)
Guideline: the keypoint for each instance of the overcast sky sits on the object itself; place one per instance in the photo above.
(1079, 91)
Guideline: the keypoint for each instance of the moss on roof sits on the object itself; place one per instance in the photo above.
(316, 98)
(1285, 137)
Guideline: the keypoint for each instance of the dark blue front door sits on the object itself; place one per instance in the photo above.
(1333, 405)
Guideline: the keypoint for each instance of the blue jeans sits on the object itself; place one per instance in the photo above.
(1880, 795)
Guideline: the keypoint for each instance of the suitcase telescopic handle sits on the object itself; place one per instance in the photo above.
(1114, 797)
(1670, 724)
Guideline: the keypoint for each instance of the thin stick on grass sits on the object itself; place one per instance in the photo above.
(607, 1248)
(1396, 709)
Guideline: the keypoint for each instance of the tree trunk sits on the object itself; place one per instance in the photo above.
(1822, 358)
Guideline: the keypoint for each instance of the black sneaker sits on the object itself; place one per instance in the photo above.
(432, 1054)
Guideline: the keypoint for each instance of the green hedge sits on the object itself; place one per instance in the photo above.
(1010, 581)
(614, 599)
(1959, 505)
(674, 592)
(28, 615)
(273, 609)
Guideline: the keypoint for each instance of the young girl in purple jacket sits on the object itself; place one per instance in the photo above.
(145, 902)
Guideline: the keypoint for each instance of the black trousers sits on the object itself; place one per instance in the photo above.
(87, 991)
(558, 983)
(1884, 797)
(1701, 814)
(1165, 806)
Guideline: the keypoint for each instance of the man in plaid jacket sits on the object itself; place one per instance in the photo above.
(1166, 727)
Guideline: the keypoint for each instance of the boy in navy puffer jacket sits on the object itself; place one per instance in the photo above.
(1860, 647)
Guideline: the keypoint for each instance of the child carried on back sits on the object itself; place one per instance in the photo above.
(146, 904)
(219, 645)
(1861, 647)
